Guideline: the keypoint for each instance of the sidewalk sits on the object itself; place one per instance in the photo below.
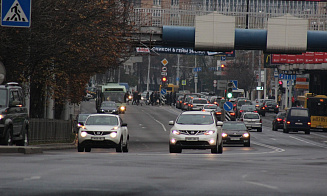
(34, 149)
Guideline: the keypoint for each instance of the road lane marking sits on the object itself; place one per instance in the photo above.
(33, 178)
(163, 126)
(262, 185)
(305, 141)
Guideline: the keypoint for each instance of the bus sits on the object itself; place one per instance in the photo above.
(111, 92)
(317, 105)
(171, 88)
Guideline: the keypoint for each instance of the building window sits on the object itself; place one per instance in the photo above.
(156, 2)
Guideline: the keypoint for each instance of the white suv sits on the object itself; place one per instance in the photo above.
(196, 130)
(252, 120)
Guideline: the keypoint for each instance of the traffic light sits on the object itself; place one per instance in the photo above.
(230, 86)
(164, 80)
(281, 88)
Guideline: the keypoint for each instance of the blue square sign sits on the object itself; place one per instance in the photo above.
(16, 13)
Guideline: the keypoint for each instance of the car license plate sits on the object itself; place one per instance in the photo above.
(234, 138)
(97, 138)
(299, 123)
(320, 127)
(191, 138)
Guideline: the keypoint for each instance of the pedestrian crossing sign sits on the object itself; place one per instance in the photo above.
(16, 13)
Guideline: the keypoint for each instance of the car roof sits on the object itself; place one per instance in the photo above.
(104, 115)
(196, 112)
(251, 113)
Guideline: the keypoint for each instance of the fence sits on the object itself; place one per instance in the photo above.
(50, 130)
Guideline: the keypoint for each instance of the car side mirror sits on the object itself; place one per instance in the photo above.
(171, 122)
(124, 125)
(220, 123)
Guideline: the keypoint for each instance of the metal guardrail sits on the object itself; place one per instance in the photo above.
(50, 130)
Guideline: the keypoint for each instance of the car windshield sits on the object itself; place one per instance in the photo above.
(243, 102)
(195, 119)
(203, 101)
(102, 120)
(299, 113)
(248, 107)
(234, 126)
(251, 116)
(108, 104)
(210, 106)
(82, 117)
(3, 97)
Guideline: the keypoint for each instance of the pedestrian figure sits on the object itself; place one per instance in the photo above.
(16, 11)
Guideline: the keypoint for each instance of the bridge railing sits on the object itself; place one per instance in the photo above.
(256, 20)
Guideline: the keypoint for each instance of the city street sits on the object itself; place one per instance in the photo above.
(275, 164)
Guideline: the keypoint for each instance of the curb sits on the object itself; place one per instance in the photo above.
(37, 149)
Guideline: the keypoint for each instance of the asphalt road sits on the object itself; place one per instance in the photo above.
(275, 164)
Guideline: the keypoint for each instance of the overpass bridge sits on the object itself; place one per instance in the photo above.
(294, 32)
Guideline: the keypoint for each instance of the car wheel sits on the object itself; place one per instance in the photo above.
(119, 147)
(24, 140)
(307, 132)
(125, 148)
(87, 149)
(175, 149)
(274, 127)
(80, 148)
(285, 130)
(259, 129)
(220, 148)
(8, 140)
(247, 144)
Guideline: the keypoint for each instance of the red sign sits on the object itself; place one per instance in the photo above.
(291, 59)
(275, 58)
(319, 57)
(299, 59)
(309, 57)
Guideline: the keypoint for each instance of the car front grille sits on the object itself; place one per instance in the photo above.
(192, 132)
(97, 133)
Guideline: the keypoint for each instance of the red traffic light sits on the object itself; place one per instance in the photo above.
(164, 79)
(280, 82)
(222, 65)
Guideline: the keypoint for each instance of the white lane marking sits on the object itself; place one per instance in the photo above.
(163, 126)
(324, 136)
(33, 178)
(263, 185)
(301, 140)
(276, 149)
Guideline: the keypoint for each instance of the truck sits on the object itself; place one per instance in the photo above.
(111, 92)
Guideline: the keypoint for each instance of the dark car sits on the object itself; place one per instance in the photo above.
(108, 107)
(297, 119)
(239, 105)
(278, 121)
(272, 106)
(213, 108)
(80, 121)
(260, 107)
(247, 108)
(235, 132)
(179, 101)
(14, 120)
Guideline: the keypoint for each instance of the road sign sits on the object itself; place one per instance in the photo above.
(16, 13)
(164, 73)
(164, 62)
(164, 69)
(223, 58)
(183, 82)
(235, 84)
(228, 106)
(163, 91)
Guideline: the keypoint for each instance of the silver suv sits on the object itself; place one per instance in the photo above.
(196, 130)
(252, 120)
(13, 115)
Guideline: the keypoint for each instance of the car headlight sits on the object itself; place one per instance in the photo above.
(115, 128)
(209, 132)
(224, 134)
(113, 110)
(83, 134)
(2, 116)
(176, 132)
(113, 134)
(122, 108)
(246, 135)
